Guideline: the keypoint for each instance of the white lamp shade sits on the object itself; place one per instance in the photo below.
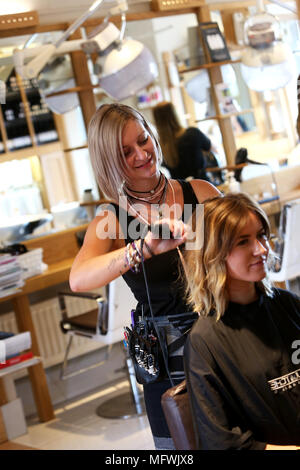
(128, 70)
(268, 69)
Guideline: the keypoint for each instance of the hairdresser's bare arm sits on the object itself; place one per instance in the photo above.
(102, 259)
(99, 261)
(204, 190)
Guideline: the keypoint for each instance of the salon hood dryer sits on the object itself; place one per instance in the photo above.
(124, 66)
(128, 69)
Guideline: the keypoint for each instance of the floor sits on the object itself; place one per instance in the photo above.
(78, 427)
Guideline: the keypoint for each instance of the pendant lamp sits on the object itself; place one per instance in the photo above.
(128, 69)
(267, 62)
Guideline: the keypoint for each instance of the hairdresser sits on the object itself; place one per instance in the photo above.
(126, 158)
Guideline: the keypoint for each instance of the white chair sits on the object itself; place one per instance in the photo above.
(287, 268)
(104, 323)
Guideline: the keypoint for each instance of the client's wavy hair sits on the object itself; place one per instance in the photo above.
(205, 269)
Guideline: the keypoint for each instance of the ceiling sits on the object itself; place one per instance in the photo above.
(67, 11)
(57, 12)
(60, 11)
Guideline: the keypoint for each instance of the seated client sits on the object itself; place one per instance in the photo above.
(242, 357)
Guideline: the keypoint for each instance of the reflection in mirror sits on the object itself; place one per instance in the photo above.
(58, 76)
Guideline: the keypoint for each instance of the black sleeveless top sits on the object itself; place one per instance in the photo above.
(166, 290)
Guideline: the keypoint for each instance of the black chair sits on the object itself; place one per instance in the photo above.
(176, 407)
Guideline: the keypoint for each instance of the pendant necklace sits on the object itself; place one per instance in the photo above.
(154, 193)
(158, 205)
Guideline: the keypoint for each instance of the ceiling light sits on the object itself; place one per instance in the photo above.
(267, 62)
(128, 69)
(126, 65)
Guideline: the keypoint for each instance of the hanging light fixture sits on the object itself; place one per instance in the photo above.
(128, 65)
(267, 62)
(127, 68)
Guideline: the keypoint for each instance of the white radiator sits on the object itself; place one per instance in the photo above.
(52, 342)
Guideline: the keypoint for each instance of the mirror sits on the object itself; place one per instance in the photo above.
(55, 77)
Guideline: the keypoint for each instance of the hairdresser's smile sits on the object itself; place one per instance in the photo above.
(147, 163)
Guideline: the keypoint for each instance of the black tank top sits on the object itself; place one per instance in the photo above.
(163, 271)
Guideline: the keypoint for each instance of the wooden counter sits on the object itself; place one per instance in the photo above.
(59, 250)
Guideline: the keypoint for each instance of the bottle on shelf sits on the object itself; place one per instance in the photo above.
(149, 97)
(232, 184)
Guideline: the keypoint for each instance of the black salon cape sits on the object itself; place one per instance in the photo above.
(231, 366)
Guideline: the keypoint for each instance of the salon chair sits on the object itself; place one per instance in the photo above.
(176, 407)
(104, 323)
(287, 267)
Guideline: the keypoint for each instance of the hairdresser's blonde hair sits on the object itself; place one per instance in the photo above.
(206, 273)
(105, 145)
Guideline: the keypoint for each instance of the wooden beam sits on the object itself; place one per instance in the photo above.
(93, 22)
(83, 79)
(228, 24)
(136, 16)
(19, 20)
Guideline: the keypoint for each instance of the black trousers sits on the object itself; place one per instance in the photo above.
(156, 417)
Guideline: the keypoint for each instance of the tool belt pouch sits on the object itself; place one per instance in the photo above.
(145, 341)
(145, 352)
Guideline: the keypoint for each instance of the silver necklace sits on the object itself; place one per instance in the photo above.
(154, 193)
(158, 205)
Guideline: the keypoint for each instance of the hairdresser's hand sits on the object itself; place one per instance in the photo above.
(165, 235)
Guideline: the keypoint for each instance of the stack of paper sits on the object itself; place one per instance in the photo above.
(10, 275)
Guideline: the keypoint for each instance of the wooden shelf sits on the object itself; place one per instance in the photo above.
(27, 95)
(30, 151)
(207, 66)
(227, 115)
(12, 369)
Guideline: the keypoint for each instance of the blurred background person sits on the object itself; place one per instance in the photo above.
(183, 149)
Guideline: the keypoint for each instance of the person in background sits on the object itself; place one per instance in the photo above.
(126, 157)
(241, 357)
(182, 149)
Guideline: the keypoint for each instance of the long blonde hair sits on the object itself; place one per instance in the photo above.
(205, 269)
(105, 145)
(169, 129)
